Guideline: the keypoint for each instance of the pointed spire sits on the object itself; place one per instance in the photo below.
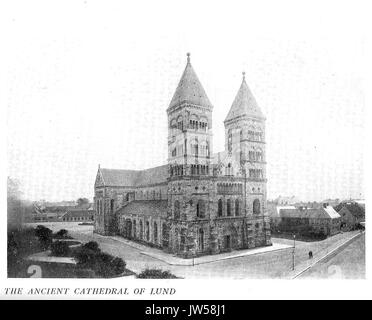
(190, 89)
(244, 103)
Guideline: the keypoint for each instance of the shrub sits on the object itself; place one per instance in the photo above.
(156, 274)
(62, 233)
(85, 256)
(118, 265)
(60, 248)
(104, 265)
(45, 235)
(92, 245)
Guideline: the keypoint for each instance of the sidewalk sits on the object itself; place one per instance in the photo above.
(173, 260)
(44, 256)
(321, 256)
(177, 261)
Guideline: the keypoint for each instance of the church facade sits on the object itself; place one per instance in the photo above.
(200, 202)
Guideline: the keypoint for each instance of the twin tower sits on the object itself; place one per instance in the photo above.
(216, 201)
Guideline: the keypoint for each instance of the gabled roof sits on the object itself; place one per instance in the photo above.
(244, 104)
(321, 213)
(134, 178)
(190, 89)
(146, 208)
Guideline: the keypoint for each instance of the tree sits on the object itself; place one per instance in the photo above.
(45, 236)
(118, 265)
(82, 202)
(62, 233)
(16, 207)
(105, 265)
(60, 248)
(92, 245)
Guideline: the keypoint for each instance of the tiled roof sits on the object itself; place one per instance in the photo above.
(190, 89)
(244, 104)
(148, 208)
(118, 177)
(321, 213)
(134, 178)
(152, 176)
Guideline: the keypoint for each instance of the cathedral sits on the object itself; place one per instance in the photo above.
(200, 202)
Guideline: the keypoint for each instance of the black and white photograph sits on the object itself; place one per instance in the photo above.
(183, 142)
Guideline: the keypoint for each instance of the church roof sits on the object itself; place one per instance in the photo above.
(244, 104)
(190, 89)
(134, 178)
(148, 208)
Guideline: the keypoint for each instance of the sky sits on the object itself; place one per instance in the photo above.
(88, 83)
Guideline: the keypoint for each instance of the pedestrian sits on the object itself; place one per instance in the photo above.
(310, 254)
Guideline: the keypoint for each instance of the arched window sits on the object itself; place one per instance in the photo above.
(194, 148)
(147, 231)
(201, 240)
(229, 141)
(141, 230)
(258, 135)
(176, 209)
(229, 170)
(200, 209)
(237, 207)
(259, 155)
(219, 208)
(173, 126)
(251, 133)
(155, 232)
(252, 155)
(112, 205)
(134, 229)
(256, 206)
(180, 123)
(228, 207)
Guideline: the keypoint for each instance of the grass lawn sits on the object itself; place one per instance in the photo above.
(24, 242)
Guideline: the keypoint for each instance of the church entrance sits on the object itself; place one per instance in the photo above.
(227, 242)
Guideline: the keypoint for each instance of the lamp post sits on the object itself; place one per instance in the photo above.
(293, 255)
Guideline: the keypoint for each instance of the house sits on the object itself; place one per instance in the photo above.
(78, 215)
(309, 221)
(352, 214)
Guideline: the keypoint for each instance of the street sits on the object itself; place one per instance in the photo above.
(270, 265)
